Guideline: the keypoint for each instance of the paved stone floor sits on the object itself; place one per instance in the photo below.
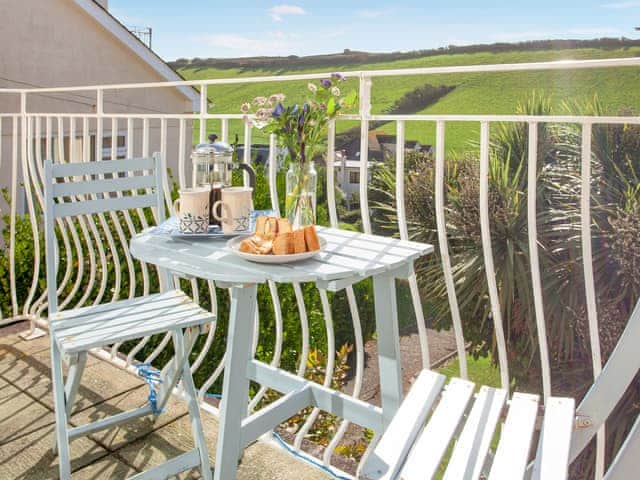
(27, 424)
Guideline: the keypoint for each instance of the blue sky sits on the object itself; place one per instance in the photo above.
(227, 28)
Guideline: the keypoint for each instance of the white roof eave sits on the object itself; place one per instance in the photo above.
(141, 50)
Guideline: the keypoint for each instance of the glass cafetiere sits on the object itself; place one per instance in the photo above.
(213, 167)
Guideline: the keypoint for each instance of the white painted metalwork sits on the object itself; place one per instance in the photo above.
(444, 249)
(532, 226)
(365, 112)
(589, 282)
(404, 235)
(91, 242)
(496, 311)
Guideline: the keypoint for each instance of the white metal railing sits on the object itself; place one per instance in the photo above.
(90, 245)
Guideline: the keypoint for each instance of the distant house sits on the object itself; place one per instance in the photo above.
(381, 145)
(348, 175)
(260, 154)
(57, 43)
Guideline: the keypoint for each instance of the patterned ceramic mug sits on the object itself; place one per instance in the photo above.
(236, 209)
(192, 209)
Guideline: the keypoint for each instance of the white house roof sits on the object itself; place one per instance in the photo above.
(113, 25)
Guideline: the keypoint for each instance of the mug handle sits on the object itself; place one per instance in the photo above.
(176, 206)
(227, 211)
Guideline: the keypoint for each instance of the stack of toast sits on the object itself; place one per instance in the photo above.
(274, 236)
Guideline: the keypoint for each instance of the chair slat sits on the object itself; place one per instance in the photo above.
(120, 319)
(107, 166)
(510, 460)
(427, 453)
(387, 458)
(136, 302)
(103, 186)
(552, 458)
(126, 320)
(473, 444)
(104, 205)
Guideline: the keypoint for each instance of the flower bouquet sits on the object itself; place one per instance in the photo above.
(301, 128)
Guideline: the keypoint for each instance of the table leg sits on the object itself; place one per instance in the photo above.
(386, 308)
(235, 386)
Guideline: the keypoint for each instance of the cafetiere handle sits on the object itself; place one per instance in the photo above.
(250, 171)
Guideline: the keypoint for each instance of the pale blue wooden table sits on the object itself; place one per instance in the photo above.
(348, 257)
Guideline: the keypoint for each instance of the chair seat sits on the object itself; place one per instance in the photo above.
(81, 329)
(414, 448)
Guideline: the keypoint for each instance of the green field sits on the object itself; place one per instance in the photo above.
(480, 93)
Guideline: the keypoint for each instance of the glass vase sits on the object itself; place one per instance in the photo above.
(300, 203)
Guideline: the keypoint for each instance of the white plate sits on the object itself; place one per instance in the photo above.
(234, 246)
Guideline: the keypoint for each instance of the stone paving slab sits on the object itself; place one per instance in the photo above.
(27, 425)
(107, 467)
(116, 437)
(169, 441)
(20, 415)
(32, 374)
(6, 389)
(27, 434)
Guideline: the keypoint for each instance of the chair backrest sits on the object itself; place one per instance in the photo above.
(94, 188)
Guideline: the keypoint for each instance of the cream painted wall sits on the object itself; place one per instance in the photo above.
(49, 43)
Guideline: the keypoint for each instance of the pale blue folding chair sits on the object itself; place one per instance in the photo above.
(84, 189)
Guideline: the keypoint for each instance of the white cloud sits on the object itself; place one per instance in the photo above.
(278, 12)
(232, 44)
(622, 5)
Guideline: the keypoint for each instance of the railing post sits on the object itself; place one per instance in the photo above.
(13, 213)
(443, 246)
(589, 282)
(33, 331)
(487, 251)
(203, 112)
(99, 122)
(536, 282)
(224, 130)
(364, 113)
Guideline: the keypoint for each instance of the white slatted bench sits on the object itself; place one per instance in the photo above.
(435, 416)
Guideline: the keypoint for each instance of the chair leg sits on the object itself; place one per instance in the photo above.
(191, 398)
(76, 368)
(62, 436)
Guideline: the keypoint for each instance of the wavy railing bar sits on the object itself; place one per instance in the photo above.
(485, 233)
(443, 245)
(532, 226)
(589, 282)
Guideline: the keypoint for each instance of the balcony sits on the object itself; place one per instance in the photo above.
(27, 421)
(96, 266)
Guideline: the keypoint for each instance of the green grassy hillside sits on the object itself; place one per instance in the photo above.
(489, 93)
